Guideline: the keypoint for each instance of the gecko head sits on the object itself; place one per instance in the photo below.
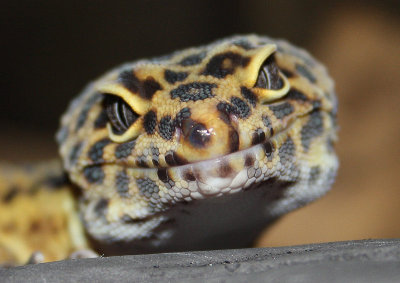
(191, 124)
(201, 104)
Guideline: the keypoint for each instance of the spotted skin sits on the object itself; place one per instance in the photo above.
(226, 137)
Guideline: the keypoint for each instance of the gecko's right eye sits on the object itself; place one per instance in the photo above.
(120, 114)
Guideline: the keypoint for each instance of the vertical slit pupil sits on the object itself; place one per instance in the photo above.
(268, 76)
(120, 114)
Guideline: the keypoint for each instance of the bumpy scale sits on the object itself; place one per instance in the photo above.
(199, 149)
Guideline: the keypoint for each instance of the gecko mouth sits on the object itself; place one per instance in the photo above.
(226, 174)
(223, 175)
(229, 173)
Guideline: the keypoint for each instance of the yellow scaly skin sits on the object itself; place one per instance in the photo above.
(199, 149)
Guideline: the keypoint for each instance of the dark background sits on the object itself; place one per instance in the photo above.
(51, 49)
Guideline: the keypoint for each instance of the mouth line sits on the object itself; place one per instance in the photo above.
(268, 144)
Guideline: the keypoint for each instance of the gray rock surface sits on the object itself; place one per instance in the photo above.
(353, 261)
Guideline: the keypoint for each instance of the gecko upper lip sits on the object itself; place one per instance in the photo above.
(266, 142)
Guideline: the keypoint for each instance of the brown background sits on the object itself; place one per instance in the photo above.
(50, 50)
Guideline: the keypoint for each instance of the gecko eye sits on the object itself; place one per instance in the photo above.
(268, 77)
(119, 113)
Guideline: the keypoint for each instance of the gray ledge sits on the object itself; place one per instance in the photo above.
(353, 261)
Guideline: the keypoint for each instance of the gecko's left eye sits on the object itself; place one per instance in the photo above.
(119, 113)
(268, 76)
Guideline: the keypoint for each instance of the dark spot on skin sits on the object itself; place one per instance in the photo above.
(122, 184)
(155, 153)
(233, 141)
(179, 160)
(287, 151)
(101, 207)
(316, 104)
(57, 181)
(162, 173)
(226, 109)
(174, 159)
(249, 160)
(269, 150)
(189, 176)
(74, 153)
(123, 150)
(150, 122)
(182, 115)
(150, 86)
(305, 72)
(96, 151)
(282, 110)
(169, 158)
(225, 170)
(193, 91)
(146, 88)
(246, 45)
(141, 162)
(129, 80)
(62, 135)
(94, 174)
(155, 161)
(239, 108)
(101, 120)
(249, 96)
(148, 188)
(166, 128)
(85, 110)
(258, 137)
(268, 124)
(312, 129)
(296, 95)
(242, 109)
(173, 77)
(314, 174)
(35, 226)
(10, 195)
(287, 73)
(192, 59)
(224, 64)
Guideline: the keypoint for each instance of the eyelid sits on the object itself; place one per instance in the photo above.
(249, 75)
(138, 104)
(130, 134)
(268, 95)
(134, 129)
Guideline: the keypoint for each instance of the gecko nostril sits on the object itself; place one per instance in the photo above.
(199, 136)
(196, 133)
